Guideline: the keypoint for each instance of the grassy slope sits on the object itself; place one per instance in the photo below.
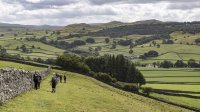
(45, 51)
(81, 94)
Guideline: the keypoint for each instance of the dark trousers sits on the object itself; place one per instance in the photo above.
(36, 85)
(39, 85)
(53, 88)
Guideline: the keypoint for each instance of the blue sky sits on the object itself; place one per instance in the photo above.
(64, 12)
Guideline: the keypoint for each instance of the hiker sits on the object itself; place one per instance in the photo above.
(65, 78)
(54, 83)
(39, 78)
(35, 80)
(60, 78)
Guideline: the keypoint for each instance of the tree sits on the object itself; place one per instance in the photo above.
(158, 45)
(1, 35)
(113, 46)
(72, 63)
(33, 47)
(3, 51)
(90, 40)
(90, 49)
(151, 53)
(15, 35)
(154, 43)
(130, 51)
(24, 49)
(154, 64)
(17, 48)
(107, 40)
(168, 41)
(192, 63)
(180, 63)
(116, 66)
(99, 48)
(166, 64)
(140, 78)
(197, 41)
(43, 39)
(131, 45)
(125, 42)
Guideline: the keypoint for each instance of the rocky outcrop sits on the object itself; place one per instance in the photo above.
(16, 81)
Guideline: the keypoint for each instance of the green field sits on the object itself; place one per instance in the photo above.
(186, 80)
(40, 51)
(172, 52)
(79, 94)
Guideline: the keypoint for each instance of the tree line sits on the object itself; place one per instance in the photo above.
(61, 43)
(108, 68)
(191, 63)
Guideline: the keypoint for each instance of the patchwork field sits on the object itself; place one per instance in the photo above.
(40, 51)
(181, 81)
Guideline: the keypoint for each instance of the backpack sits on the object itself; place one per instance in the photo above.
(54, 80)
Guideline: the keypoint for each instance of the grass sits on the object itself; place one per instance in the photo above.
(40, 51)
(166, 52)
(80, 94)
(180, 37)
(171, 52)
(179, 79)
(4, 64)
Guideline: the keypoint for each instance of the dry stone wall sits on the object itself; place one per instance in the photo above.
(16, 81)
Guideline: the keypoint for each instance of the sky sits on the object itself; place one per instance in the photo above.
(64, 12)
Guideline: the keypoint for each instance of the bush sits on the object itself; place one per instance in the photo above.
(166, 64)
(72, 63)
(197, 41)
(104, 77)
(90, 40)
(107, 40)
(125, 42)
(147, 90)
(151, 53)
(92, 74)
(131, 88)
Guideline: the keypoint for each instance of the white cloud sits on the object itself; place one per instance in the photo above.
(63, 12)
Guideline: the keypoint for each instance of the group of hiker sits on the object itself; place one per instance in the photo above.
(54, 80)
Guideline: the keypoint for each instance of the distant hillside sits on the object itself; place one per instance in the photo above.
(85, 28)
(6, 26)
(151, 21)
(149, 28)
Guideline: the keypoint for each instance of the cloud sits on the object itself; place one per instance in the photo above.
(40, 4)
(63, 12)
(100, 2)
(185, 6)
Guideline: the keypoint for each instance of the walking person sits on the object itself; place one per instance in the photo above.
(35, 80)
(39, 81)
(54, 83)
(60, 78)
(65, 78)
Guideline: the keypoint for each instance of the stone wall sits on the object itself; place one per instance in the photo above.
(16, 81)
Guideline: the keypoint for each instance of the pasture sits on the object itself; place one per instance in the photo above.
(180, 81)
(40, 50)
